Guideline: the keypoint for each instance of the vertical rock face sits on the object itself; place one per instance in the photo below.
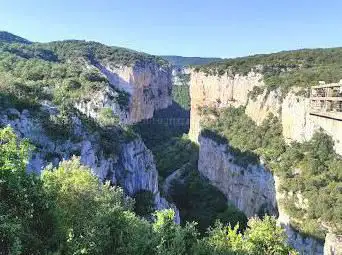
(333, 245)
(296, 121)
(251, 188)
(269, 102)
(293, 110)
(299, 125)
(137, 168)
(148, 85)
(303, 244)
(132, 167)
(219, 91)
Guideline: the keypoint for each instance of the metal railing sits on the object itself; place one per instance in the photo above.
(326, 100)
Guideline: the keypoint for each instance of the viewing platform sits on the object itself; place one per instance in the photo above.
(326, 100)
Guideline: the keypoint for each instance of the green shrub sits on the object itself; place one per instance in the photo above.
(181, 95)
(318, 163)
(303, 68)
(107, 117)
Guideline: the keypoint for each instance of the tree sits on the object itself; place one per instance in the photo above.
(261, 237)
(25, 216)
(172, 239)
(93, 218)
(265, 237)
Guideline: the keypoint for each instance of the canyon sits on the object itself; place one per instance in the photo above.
(125, 88)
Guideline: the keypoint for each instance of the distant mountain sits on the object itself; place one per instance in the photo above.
(185, 61)
(11, 38)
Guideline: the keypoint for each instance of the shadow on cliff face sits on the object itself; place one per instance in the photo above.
(173, 121)
(172, 113)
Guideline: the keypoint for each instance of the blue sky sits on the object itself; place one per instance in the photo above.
(215, 28)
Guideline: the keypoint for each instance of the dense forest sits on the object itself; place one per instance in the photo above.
(319, 179)
(300, 68)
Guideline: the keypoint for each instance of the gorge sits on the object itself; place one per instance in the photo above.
(233, 140)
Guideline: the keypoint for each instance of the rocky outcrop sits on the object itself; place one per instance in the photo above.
(148, 85)
(293, 109)
(129, 164)
(180, 76)
(269, 102)
(106, 98)
(299, 125)
(218, 91)
(303, 244)
(250, 188)
(333, 244)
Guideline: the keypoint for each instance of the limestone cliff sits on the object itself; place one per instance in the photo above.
(249, 188)
(252, 188)
(218, 91)
(333, 245)
(128, 164)
(292, 109)
(299, 125)
(147, 84)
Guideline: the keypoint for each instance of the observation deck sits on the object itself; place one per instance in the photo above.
(326, 100)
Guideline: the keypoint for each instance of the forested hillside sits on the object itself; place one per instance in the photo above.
(303, 68)
(52, 71)
(11, 38)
